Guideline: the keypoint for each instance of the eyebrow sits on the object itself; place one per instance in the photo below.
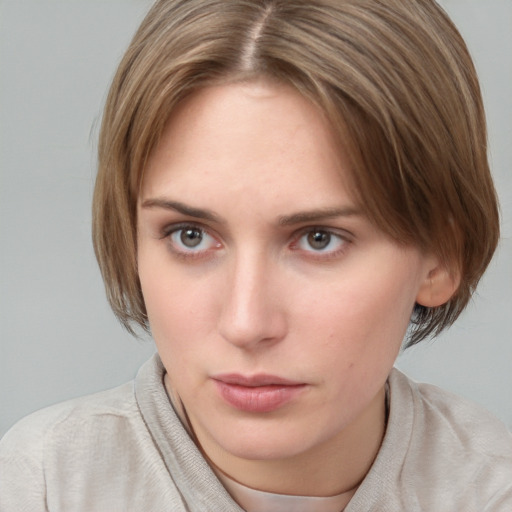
(191, 211)
(318, 215)
(315, 215)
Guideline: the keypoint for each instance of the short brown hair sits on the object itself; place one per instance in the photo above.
(394, 78)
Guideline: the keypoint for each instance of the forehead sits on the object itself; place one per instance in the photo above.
(254, 138)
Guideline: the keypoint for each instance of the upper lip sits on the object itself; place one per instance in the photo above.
(250, 381)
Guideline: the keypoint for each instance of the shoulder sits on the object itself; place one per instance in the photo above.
(452, 417)
(37, 427)
(454, 445)
(91, 453)
(41, 443)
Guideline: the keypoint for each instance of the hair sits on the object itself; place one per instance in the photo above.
(394, 78)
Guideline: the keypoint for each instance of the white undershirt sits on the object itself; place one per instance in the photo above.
(253, 500)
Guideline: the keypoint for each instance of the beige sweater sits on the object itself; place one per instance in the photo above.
(125, 450)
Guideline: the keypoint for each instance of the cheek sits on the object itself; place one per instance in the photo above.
(182, 310)
(358, 304)
(175, 309)
(361, 316)
(167, 299)
(176, 327)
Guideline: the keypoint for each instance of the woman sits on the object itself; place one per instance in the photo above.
(286, 189)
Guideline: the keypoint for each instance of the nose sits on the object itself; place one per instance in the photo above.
(253, 314)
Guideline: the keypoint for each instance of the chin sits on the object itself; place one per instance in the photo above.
(265, 442)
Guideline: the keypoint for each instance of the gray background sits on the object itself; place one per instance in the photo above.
(58, 338)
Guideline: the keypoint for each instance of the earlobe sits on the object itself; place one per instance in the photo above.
(438, 287)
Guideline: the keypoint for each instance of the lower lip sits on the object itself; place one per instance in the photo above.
(259, 398)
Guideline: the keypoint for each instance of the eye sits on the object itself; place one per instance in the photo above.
(320, 241)
(191, 240)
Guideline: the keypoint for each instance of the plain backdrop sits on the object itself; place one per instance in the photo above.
(58, 338)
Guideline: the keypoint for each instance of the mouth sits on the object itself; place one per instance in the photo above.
(257, 393)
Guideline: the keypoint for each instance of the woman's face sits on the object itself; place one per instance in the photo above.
(276, 306)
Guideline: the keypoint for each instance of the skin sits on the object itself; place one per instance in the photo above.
(259, 294)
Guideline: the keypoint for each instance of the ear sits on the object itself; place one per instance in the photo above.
(439, 285)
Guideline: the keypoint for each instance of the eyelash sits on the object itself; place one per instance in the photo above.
(343, 238)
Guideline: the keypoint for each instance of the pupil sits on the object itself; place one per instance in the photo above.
(319, 239)
(191, 237)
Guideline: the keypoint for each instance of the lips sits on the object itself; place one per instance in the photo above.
(257, 393)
